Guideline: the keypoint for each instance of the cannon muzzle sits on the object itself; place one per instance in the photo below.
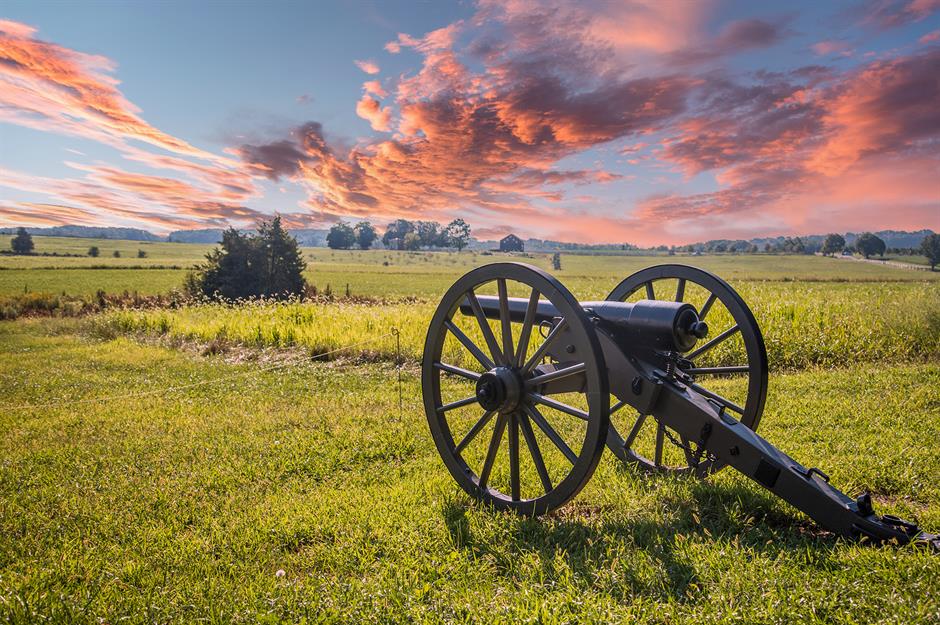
(656, 324)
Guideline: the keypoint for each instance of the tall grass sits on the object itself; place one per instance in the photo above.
(804, 325)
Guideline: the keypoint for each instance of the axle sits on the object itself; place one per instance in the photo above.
(654, 324)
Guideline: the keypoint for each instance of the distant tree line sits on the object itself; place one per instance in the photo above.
(867, 244)
(401, 234)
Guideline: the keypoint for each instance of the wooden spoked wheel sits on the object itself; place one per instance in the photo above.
(502, 441)
(729, 367)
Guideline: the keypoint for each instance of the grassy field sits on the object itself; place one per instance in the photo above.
(804, 324)
(301, 495)
(193, 464)
(382, 273)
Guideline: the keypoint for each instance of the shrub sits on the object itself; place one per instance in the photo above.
(268, 264)
(22, 243)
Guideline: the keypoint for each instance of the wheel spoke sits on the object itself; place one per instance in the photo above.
(650, 294)
(482, 358)
(557, 405)
(558, 374)
(491, 452)
(470, 375)
(660, 441)
(479, 425)
(550, 432)
(466, 401)
(718, 370)
(485, 328)
(715, 341)
(617, 406)
(718, 398)
(540, 352)
(505, 321)
(526, 332)
(514, 457)
(707, 306)
(534, 451)
(634, 431)
(680, 290)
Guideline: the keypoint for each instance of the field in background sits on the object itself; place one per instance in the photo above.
(382, 273)
(301, 492)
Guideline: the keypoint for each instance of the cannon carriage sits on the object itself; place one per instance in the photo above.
(524, 387)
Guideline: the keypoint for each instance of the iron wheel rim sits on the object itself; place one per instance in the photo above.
(749, 330)
(590, 449)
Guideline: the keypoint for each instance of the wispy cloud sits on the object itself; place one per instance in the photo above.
(498, 102)
(368, 66)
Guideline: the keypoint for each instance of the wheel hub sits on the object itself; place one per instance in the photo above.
(499, 389)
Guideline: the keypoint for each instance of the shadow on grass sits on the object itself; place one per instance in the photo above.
(651, 557)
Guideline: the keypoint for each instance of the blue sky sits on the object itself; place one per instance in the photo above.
(647, 122)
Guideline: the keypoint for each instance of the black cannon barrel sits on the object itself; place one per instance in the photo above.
(668, 326)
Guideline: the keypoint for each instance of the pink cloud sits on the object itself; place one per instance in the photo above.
(930, 37)
(371, 110)
(368, 66)
(825, 48)
(893, 13)
(479, 128)
(374, 87)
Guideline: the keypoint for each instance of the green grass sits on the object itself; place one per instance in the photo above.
(161, 254)
(183, 506)
(804, 324)
(384, 273)
(86, 282)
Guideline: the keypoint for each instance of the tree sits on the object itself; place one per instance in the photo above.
(341, 236)
(868, 245)
(268, 264)
(458, 234)
(141, 254)
(411, 242)
(22, 243)
(834, 244)
(930, 247)
(93, 251)
(117, 253)
(429, 232)
(397, 230)
(365, 235)
(282, 264)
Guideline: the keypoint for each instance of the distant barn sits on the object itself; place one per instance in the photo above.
(511, 243)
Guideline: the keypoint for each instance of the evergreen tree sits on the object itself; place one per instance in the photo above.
(22, 243)
(282, 263)
(268, 264)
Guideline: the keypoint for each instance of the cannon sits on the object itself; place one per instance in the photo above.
(669, 373)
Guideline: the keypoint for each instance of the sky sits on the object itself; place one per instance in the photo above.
(643, 121)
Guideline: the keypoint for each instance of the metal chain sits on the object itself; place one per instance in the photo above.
(698, 454)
